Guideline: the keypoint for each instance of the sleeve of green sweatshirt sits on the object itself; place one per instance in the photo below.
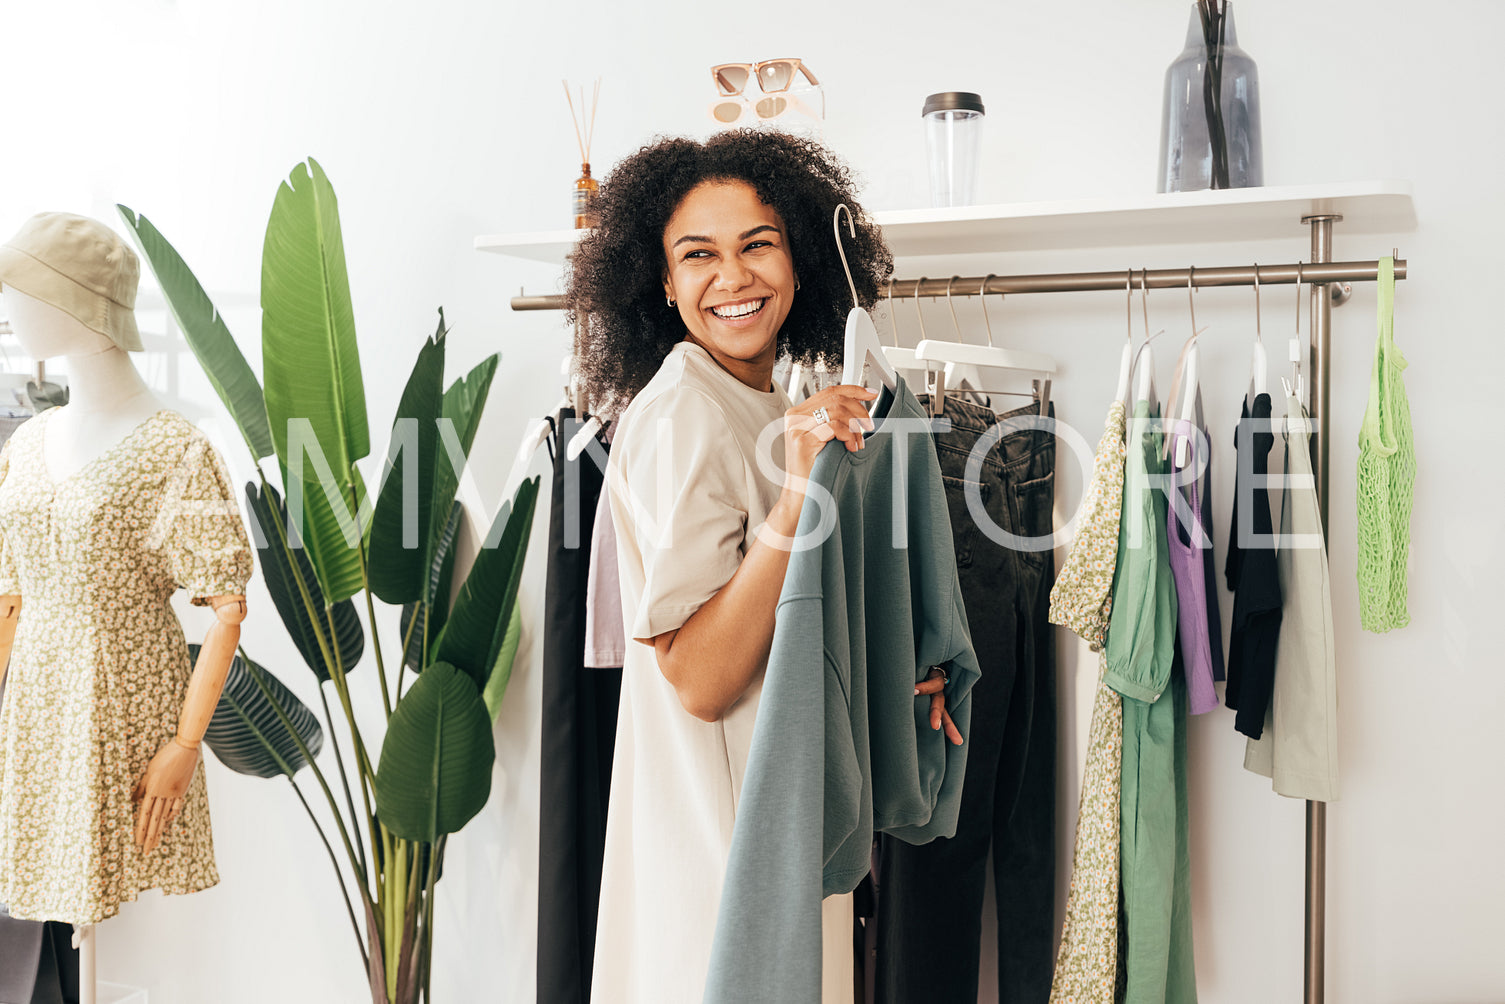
(768, 931)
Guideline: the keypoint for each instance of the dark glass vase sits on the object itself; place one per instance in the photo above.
(1187, 120)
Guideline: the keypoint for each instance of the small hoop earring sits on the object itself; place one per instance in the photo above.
(668, 301)
(796, 285)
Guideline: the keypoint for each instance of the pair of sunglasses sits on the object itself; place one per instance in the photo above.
(773, 76)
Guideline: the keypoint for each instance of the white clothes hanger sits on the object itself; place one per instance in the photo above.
(802, 382)
(966, 378)
(899, 357)
(533, 437)
(990, 356)
(1259, 367)
(574, 394)
(1144, 359)
(861, 350)
(1126, 363)
(1294, 386)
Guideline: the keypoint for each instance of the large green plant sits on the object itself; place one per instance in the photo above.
(325, 540)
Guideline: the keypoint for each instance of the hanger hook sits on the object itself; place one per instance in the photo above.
(1129, 304)
(1258, 335)
(949, 306)
(852, 232)
(918, 315)
(982, 293)
(892, 317)
(1298, 299)
(1144, 299)
(1191, 299)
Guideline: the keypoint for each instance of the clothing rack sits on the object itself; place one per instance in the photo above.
(1321, 273)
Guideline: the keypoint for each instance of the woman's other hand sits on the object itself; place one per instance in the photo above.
(846, 419)
(934, 684)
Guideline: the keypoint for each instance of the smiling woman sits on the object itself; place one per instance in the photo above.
(620, 278)
(709, 261)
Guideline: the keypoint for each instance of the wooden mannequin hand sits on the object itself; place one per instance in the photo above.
(160, 792)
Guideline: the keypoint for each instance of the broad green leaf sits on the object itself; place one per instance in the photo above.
(349, 637)
(312, 368)
(440, 587)
(398, 568)
(435, 768)
(473, 638)
(246, 733)
(463, 403)
(496, 687)
(208, 337)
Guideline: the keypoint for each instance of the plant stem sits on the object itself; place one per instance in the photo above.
(357, 864)
(399, 912)
(292, 564)
(339, 760)
(381, 669)
(436, 861)
(349, 908)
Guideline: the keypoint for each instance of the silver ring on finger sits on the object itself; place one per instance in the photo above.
(821, 416)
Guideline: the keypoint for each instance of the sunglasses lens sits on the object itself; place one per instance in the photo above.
(771, 108)
(775, 75)
(731, 79)
(727, 111)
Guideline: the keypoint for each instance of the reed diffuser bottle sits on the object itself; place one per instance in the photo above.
(583, 198)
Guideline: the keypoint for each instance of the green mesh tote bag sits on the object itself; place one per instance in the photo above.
(1387, 474)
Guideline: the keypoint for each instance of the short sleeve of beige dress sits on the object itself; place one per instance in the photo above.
(100, 666)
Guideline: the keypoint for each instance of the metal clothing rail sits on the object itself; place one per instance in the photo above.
(1316, 272)
(1320, 273)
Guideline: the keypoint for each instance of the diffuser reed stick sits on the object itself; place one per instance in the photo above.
(584, 194)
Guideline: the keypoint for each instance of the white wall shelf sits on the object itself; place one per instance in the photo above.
(1239, 214)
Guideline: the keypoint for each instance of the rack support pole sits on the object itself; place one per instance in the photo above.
(1320, 311)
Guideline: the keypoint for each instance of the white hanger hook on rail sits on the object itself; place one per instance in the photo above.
(982, 296)
(1191, 299)
(1258, 335)
(949, 306)
(841, 250)
(893, 318)
(1129, 307)
(919, 316)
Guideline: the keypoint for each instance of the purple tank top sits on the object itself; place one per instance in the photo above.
(1189, 540)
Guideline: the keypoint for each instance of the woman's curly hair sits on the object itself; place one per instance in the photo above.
(614, 281)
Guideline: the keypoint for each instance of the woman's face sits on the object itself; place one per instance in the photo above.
(731, 275)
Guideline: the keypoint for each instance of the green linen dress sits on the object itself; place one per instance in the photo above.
(100, 667)
(1154, 859)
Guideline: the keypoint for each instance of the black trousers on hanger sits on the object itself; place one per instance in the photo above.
(930, 897)
(579, 731)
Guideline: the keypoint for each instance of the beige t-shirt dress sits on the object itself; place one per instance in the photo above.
(688, 493)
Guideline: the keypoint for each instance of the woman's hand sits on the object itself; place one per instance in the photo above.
(846, 419)
(934, 684)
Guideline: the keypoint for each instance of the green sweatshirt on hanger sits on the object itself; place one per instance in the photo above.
(842, 746)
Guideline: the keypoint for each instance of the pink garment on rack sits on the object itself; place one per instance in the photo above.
(605, 635)
(1199, 624)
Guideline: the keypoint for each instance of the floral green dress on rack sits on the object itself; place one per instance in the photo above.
(100, 667)
(1082, 599)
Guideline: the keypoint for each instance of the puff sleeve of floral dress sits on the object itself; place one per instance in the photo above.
(100, 665)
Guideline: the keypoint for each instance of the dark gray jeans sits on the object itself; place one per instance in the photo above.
(930, 897)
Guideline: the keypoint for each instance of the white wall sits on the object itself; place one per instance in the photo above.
(441, 125)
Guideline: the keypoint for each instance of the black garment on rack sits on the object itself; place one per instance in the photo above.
(930, 896)
(579, 732)
(38, 963)
(1253, 579)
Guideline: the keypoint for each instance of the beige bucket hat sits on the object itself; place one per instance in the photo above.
(80, 266)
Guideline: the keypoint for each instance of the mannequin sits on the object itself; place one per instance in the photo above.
(107, 400)
(109, 404)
